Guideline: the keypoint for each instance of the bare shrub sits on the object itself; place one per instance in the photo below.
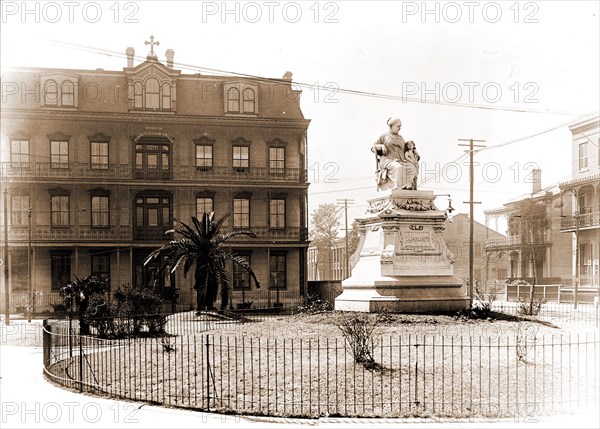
(531, 307)
(357, 329)
(485, 297)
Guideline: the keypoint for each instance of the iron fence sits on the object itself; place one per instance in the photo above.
(412, 375)
(584, 314)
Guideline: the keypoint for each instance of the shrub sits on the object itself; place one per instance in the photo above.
(139, 307)
(358, 329)
(134, 312)
(314, 304)
(79, 293)
(531, 308)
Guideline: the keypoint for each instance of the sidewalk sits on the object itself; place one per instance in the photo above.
(27, 400)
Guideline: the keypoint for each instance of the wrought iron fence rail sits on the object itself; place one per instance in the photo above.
(420, 375)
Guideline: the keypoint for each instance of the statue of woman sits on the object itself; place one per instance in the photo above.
(394, 171)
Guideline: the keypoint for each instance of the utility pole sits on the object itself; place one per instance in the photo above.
(346, 201)
(5, 262)
(471, 151)
(29, 285)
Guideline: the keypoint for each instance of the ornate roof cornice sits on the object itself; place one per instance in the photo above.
(166, 118)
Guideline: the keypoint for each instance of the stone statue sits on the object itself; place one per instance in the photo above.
(394, 170)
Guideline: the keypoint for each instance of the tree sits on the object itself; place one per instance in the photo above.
(354, 237)
(80, 292)
(532, 224)
(325, 226)
(202, 245)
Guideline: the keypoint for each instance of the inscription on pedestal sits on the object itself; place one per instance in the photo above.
(414, 240)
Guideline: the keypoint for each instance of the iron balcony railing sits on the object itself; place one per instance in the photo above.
(126, 233)
(47, 171)
(513, 240)
(587, 220)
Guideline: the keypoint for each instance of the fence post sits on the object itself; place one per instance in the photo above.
(70, 335)
(46, 338)
(207, 375)
(80, 363)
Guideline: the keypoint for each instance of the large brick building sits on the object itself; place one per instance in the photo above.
(100, 164)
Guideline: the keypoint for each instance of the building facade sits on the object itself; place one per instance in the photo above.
(533, 246)
(97, 165)
(456, 236)
(581, 223)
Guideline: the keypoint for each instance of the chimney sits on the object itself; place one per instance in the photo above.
(170, 53)
(536, 180)
(287, 76)
(130, 52)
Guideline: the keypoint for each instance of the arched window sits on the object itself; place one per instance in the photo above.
(137, 95)
(233, 100)
(67, 93)
(166, 96)
(249, 101)
(51, 93)
(152, 94)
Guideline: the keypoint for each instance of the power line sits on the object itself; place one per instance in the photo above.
(330, 86)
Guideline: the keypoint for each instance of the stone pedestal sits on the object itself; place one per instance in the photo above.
(402, 263)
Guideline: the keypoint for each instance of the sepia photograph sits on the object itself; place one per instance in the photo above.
(312, 213)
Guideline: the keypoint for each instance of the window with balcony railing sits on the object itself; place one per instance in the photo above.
(277, 160)
(241, 212)
(59, 211)
(153, 215)
(240, 276)
(277, 213)
(19, 210)
(277, 270)
(204, 204)
(99, 155)
(59, 154)
(153, 159)
(100, 211)
(19, 153)
(241, 158)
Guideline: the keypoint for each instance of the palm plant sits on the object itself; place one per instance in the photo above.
(202, 245)
(78, 293)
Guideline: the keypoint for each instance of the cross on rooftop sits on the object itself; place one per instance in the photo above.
(152, 43)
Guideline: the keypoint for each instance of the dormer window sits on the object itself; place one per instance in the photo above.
(50, 93)
(67, 93)
(233, 100)
(138, 93)
(152, 94)
(166, 96)
(59, 90)
(241, 98)
(249, 101)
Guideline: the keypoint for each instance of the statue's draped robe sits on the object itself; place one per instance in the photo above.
(394, 170)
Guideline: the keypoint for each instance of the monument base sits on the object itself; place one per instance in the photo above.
(425, 294)
(402, 263)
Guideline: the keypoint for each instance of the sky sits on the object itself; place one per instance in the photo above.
(502, 72)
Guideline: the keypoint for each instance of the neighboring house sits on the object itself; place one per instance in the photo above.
(456, 236)
(534, 246)
(96, 165)
(581, 224)
(328, 267)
